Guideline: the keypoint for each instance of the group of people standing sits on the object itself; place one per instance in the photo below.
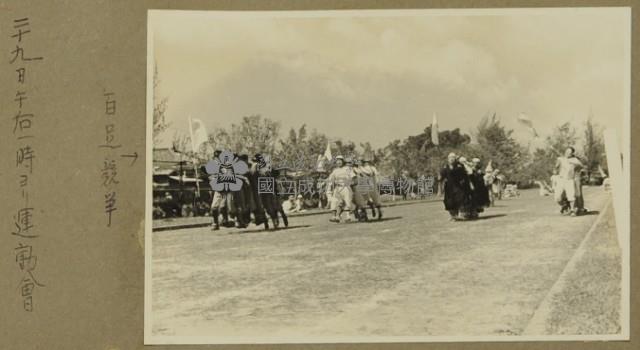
(247, 201)
(352, 186)
(466, 191)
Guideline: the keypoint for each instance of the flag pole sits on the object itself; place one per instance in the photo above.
(435, 140)
(193, 160)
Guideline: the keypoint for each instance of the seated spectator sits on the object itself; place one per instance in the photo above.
(289, 206)
(299, 204)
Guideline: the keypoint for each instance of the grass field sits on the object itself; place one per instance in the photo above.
(589, 303)
(412, 274)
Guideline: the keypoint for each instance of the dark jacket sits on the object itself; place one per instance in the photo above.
(456, 186)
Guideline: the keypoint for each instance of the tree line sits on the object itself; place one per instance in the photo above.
(414, 155)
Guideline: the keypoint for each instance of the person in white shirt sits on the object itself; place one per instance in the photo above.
(566, 169)
(299, 204)
(339, 190)
(289, 205)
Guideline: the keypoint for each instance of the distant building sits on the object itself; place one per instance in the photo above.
(174, 183)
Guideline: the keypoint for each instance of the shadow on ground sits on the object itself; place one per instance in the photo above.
(486, 217)
(257, 230)
(375, 220)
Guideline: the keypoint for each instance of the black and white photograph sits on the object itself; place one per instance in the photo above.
(366, 176)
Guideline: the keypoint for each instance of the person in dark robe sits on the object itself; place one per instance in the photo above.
(456, 186)
(480, 193)
(269, 199)
(238, 205)
(467, 209)
(260, 217)
(249, 206)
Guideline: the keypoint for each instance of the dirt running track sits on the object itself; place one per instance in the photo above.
(414, 273)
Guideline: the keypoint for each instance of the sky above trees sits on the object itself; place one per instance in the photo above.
(380, 78)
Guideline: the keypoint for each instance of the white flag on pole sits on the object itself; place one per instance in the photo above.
(526, 121)
(327, 152)
(434, 130)
(198, 137)
(198, 134)
(320, 163)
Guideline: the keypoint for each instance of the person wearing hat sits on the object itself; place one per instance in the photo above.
(359, 192)
(480, 193)
(468, 166)
(404, 185)
(289, 206)
(466, 211)
(248, 199)
(253, 197)
(259, 160)
(219, 204)
(269, 200)
(369, 174)
(494, 182)
(339, 189)
(456, 186)
(300, 203)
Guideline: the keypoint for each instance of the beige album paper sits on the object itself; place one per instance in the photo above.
(318, 174)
